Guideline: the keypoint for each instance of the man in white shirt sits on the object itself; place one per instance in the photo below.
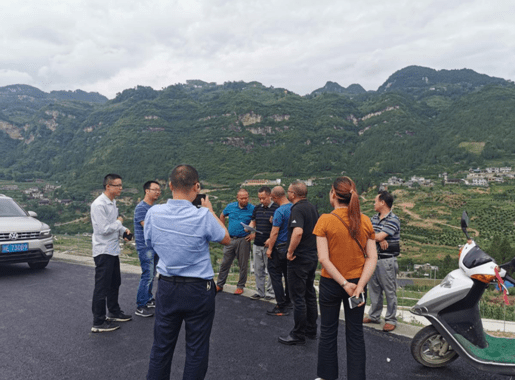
(107, 229)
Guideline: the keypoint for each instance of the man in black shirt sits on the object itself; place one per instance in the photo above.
(302, 264)
(262, 221)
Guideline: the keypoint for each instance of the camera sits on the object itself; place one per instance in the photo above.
(198, 200)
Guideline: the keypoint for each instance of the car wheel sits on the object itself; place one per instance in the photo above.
(38, 265)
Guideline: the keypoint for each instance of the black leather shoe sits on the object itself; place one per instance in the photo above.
(291, 341)
(311, 336)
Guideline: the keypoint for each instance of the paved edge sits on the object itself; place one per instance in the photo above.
(402, 329)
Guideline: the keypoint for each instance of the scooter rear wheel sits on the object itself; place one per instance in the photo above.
(431, 349)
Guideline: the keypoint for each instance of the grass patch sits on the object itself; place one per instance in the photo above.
(472, 147)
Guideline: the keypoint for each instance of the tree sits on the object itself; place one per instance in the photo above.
(494, 249)
(448, 265)
(505, 252)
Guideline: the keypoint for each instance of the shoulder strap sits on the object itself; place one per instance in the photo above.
(356, 240)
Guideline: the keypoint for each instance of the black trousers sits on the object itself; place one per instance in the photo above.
(107, 284)
(301, 278)
(277, 269)
(193, 303)
(331, 295)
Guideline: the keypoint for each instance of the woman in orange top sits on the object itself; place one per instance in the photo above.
(347, 252)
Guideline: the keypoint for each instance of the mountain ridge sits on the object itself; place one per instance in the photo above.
(232, 130)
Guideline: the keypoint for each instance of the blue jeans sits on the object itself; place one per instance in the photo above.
(331, 295)
(193, 303)
(148, 260)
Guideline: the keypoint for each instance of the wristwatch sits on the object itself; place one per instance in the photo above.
(345, 282)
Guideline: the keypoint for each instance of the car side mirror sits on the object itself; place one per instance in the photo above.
(33, 214)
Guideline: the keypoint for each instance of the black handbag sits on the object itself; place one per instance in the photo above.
(393, 248)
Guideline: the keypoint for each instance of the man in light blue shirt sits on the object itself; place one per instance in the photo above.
(180, 234)
(238, 212)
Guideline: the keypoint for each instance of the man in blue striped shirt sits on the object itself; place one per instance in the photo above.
(147, 256)
(262, 221)
(387, 227)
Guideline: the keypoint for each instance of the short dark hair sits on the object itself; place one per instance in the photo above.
(184, 177)
(386, 197)
(265, 189)
(110, 178)
(147, 184)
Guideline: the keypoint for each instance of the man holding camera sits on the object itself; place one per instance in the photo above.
(147, 256)
(107, 230)
(387, 227)
(180, 234)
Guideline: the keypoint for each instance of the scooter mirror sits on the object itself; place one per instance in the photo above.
(464, 223)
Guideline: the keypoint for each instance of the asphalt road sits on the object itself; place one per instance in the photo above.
(45, 322)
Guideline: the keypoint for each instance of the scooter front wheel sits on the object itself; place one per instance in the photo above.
(431, 349)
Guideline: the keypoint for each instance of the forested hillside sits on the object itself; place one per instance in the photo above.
(420, 121)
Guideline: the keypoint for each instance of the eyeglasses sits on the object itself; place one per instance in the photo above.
(291, 191)
(157, 190)
(120, 185)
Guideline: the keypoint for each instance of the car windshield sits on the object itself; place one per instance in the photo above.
(8, 207)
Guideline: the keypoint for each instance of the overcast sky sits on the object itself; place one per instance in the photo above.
(107, 46)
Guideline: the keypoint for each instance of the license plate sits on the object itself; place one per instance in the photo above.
(11, 248)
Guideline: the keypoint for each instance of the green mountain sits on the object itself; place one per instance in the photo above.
(438, 87)
(236, 130)
(333, 87)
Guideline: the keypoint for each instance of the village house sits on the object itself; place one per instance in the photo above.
(261, 182)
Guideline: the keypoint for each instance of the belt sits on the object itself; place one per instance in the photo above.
(181, 279)
(386, 256)
(237, 237)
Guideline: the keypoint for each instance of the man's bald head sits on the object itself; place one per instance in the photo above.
(278, 192)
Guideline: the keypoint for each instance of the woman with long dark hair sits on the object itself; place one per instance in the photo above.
(347, 252)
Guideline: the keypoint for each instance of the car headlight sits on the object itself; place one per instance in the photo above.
(45, 233)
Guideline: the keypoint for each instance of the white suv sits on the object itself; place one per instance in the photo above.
(23, 238)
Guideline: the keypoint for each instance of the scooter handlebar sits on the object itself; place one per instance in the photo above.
(509, 278)
(509, 264)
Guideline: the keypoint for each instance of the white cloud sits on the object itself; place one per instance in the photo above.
(110, 45)
(8, 77)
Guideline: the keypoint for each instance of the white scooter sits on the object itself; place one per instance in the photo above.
(452, 308)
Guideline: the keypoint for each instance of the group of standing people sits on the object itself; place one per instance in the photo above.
(289, 239)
